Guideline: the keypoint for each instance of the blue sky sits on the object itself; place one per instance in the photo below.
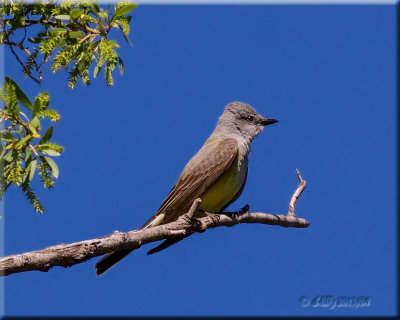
(326, 72)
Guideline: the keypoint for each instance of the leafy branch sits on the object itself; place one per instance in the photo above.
(24, 150)
(74, 35)
(69, 35)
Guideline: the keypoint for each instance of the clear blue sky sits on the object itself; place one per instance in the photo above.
(326, 72)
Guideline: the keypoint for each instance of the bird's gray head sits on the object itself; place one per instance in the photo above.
(240, 119)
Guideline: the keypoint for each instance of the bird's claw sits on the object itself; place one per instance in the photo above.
(214, 217)
(191, 220)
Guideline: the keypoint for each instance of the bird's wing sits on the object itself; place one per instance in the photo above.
(202, 171)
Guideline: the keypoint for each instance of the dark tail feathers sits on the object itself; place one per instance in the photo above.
(112, 258)
(109, 260)
(167, 243)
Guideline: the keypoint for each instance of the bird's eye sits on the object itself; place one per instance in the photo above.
(250, 118)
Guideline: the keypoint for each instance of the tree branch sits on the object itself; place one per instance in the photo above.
(66, 255)
(12, 44)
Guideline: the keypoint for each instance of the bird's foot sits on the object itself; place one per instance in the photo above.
(191, 220)
(213, 216)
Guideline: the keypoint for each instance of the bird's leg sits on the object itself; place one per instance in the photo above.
(190, 220)
(245, 209)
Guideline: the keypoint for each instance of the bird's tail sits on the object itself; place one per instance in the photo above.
(167, 243)
(112, 258)
(109, 260)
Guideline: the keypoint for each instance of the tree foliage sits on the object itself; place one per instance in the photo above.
(73, 35)
(69, 35)
(23, 149)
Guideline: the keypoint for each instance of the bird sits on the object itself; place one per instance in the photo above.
(216, 174)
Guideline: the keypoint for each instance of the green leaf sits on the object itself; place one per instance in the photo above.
(14, 108)
(75, 13)
(24, 140)
(34, 131)
(51, 152)
(94, 9)
(8, 157)
(96, 70)
(32, 169)
(93, 45)
(53, 166)
(102, 31)
(121, 66)
(28, 157)
(20, 94)
(3, 151)
(29, 173)
(47, 136)
(63, 17)
(75, 34)
(36, 108)
(35, 124)
(57, 30)
(7, 135)
(3, 96)
(125, 9)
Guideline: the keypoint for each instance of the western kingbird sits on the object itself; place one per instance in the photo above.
(217, 174)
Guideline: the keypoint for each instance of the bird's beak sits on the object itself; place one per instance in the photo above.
(266, 122)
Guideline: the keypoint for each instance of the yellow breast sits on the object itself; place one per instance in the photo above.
(226, 187)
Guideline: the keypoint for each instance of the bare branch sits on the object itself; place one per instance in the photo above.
(296, 194)
(11, 45)
(66, 255)
(193, 209)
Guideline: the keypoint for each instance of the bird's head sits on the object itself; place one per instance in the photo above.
(241, 118)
